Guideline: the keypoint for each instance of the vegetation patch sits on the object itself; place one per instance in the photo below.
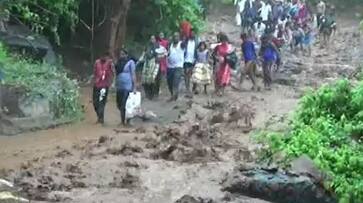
(328, 127)
(46, 80)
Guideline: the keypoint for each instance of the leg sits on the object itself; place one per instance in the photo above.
(176, 82)
(170, 79)
(121, 98)
(96, 103)
(205, 89)
(194, 88)
(156, 90)
(187, 75)
(269, 76)
(242, 75)
(266, 74)
(101, 107)
(251, 71)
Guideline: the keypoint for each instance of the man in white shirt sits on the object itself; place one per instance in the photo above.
(190, 52)
(259, 28)
(321, 7)
(240, 5)
(175, 66)
(266, 10)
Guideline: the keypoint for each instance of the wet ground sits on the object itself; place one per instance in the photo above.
(188, 150)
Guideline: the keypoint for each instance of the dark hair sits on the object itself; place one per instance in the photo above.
(243, 36)
(223, 37)
(201, 44)
(104, 55)
(124, 50)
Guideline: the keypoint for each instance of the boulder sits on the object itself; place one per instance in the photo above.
(34, 106)
(276, 186)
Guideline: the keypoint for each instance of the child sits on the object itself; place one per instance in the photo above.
(202, 71)
(308, 38)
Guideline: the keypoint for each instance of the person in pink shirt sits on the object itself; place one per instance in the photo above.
(163, 61)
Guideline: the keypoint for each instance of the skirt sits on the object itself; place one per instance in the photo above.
(202, 74)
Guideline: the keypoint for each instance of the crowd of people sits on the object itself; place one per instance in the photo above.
(268, 27)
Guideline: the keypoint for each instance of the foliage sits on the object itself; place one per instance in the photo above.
(328, 127)
(44, 16)
(46, 80)
(163, 15)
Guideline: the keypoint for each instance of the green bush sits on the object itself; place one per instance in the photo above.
(44, 79)
(328, 127)
(163, 15)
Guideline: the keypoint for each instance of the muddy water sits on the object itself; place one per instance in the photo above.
(14, 150)
(74, 164)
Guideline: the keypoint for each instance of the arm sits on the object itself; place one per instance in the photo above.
(133, 75)
(111, 73)
(275, 48)
(95, 73)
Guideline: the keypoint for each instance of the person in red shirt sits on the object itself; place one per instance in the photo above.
(103, 77)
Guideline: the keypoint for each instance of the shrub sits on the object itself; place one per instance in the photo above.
(44, 79)
(328, 127)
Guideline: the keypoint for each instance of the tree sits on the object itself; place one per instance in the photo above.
(119, 11)
(44, 16)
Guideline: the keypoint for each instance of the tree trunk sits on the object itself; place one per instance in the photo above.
(118, 26)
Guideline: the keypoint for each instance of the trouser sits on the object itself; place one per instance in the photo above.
(318, 20)
(267, 77)
(173, 78)
(121, 99)
(99, 103)
(188, 71)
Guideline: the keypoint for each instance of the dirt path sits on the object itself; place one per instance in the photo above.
(164, 160)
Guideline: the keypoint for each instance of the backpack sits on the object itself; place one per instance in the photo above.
(232, 60)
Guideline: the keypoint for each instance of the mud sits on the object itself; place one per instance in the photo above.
(185, 154)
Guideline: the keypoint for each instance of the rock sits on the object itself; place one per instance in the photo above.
(34, 106)
(284, 80)
(276, 186)
(218, 118)
(305, 166)
(191, 199)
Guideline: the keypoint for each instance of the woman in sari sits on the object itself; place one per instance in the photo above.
(223, 69)
(151, 74)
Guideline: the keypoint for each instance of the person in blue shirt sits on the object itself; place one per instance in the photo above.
(125, 82)
(250, 59)
(269, 54)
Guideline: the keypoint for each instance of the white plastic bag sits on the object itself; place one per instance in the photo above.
(133, 105)
(238, 19)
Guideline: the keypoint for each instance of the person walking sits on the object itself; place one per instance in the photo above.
(175, 66)
(163, 61)
(202, 74)
(151, 74)
(103, 77)
(223, 71)
(125, 82)
(320, 11)
(269, 54)
(190, 54)
(250, 59)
